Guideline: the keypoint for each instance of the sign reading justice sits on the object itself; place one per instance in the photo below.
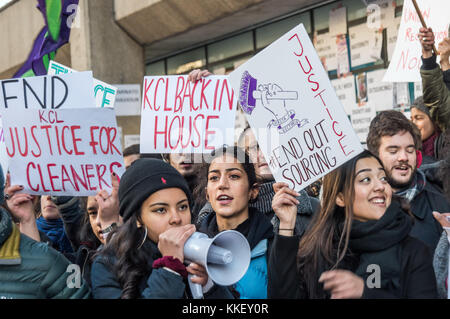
(298, 120)
(63, 152)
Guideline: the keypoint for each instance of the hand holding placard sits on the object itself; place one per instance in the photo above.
(108, 205)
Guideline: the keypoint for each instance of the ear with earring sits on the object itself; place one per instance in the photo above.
(139, 226)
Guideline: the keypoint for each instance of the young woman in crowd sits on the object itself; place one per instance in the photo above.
(231, 186)
(144, 258)
(357, 246)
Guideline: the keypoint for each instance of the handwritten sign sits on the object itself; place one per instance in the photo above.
(47, 92)
(62, 152)
(406, 60)
(286, 93)
(180, 116)
(104, 93)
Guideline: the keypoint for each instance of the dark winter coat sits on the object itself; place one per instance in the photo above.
(405, 263)
(159, 284)
(30, 269)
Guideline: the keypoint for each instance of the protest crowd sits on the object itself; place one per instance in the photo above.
(374, 226)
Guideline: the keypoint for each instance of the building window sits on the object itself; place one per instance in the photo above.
(187, 61)
(267, 34)
(156, 68)
(230, 47)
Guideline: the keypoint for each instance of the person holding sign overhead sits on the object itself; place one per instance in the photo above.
(357, 246)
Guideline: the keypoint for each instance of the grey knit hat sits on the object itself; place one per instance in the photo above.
(420, 105)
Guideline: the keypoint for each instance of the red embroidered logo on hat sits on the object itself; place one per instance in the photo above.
(163, 180)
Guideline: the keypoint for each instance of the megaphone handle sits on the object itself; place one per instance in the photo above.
(196, 289)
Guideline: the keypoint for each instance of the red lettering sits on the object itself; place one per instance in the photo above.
(146, 89)
(156, 91)
(299, 42)
(75, 140)
(178, 94)
(46, 128)
(89, 176)
(35, 141)
(196, 129)
(41, 119)
(101, 170)
(64, 140)
(28, 177)
(93, 143)
(230, 97)
(205, 83)
(52, 177)
(155, 135)
(179, 132)
(313, 82)
(208, 132)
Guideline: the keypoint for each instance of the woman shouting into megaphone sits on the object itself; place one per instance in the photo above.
(144, 257)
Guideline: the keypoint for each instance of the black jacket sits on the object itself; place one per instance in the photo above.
(415, 278)
(425, 227)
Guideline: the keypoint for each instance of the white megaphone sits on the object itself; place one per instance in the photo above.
(226, 257)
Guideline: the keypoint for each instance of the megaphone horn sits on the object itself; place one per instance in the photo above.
(226, 257)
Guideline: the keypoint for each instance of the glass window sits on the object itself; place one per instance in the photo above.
(228, 66)
(322, 16)
(187, 61)
(230, 47)
(269, 33)
(356, 9)
(156, 68)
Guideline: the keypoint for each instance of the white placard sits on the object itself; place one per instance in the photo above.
(63, 152)
(48, 92)
(104, 93)
(184, 117)
(128, 99)
(294, 112)
(406, 61)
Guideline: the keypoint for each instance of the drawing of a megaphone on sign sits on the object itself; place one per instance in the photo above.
(273, 98)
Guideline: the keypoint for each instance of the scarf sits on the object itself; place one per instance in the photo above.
(417, 185)
(255, 228)
(377, 242)
(54, 229)
(428, 144)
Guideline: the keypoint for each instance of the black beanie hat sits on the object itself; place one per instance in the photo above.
(420, 105)
(144, 177)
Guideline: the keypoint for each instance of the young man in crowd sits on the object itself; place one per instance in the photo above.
(397, 142)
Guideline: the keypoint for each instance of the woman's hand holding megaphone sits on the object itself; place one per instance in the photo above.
(171, 242)
(284, 204)
(199, 274)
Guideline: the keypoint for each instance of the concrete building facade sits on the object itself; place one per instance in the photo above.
(123, 40)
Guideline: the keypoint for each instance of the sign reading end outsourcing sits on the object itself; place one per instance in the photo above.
(298, 120)
(63, 152)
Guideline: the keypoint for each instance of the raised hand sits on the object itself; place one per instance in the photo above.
(284, 204)
(426, 37)
(198, 74)
(108, 205)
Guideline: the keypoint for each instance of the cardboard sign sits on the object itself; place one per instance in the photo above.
(62, 152)
(406, 61)
(104, 93)
(184, 117)
(300, 124)
(47, 92)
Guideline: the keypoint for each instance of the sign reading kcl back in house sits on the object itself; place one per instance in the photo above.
(295, 114)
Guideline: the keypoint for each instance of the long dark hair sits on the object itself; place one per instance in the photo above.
(132, 258)
(325, 243)
(86, 236)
